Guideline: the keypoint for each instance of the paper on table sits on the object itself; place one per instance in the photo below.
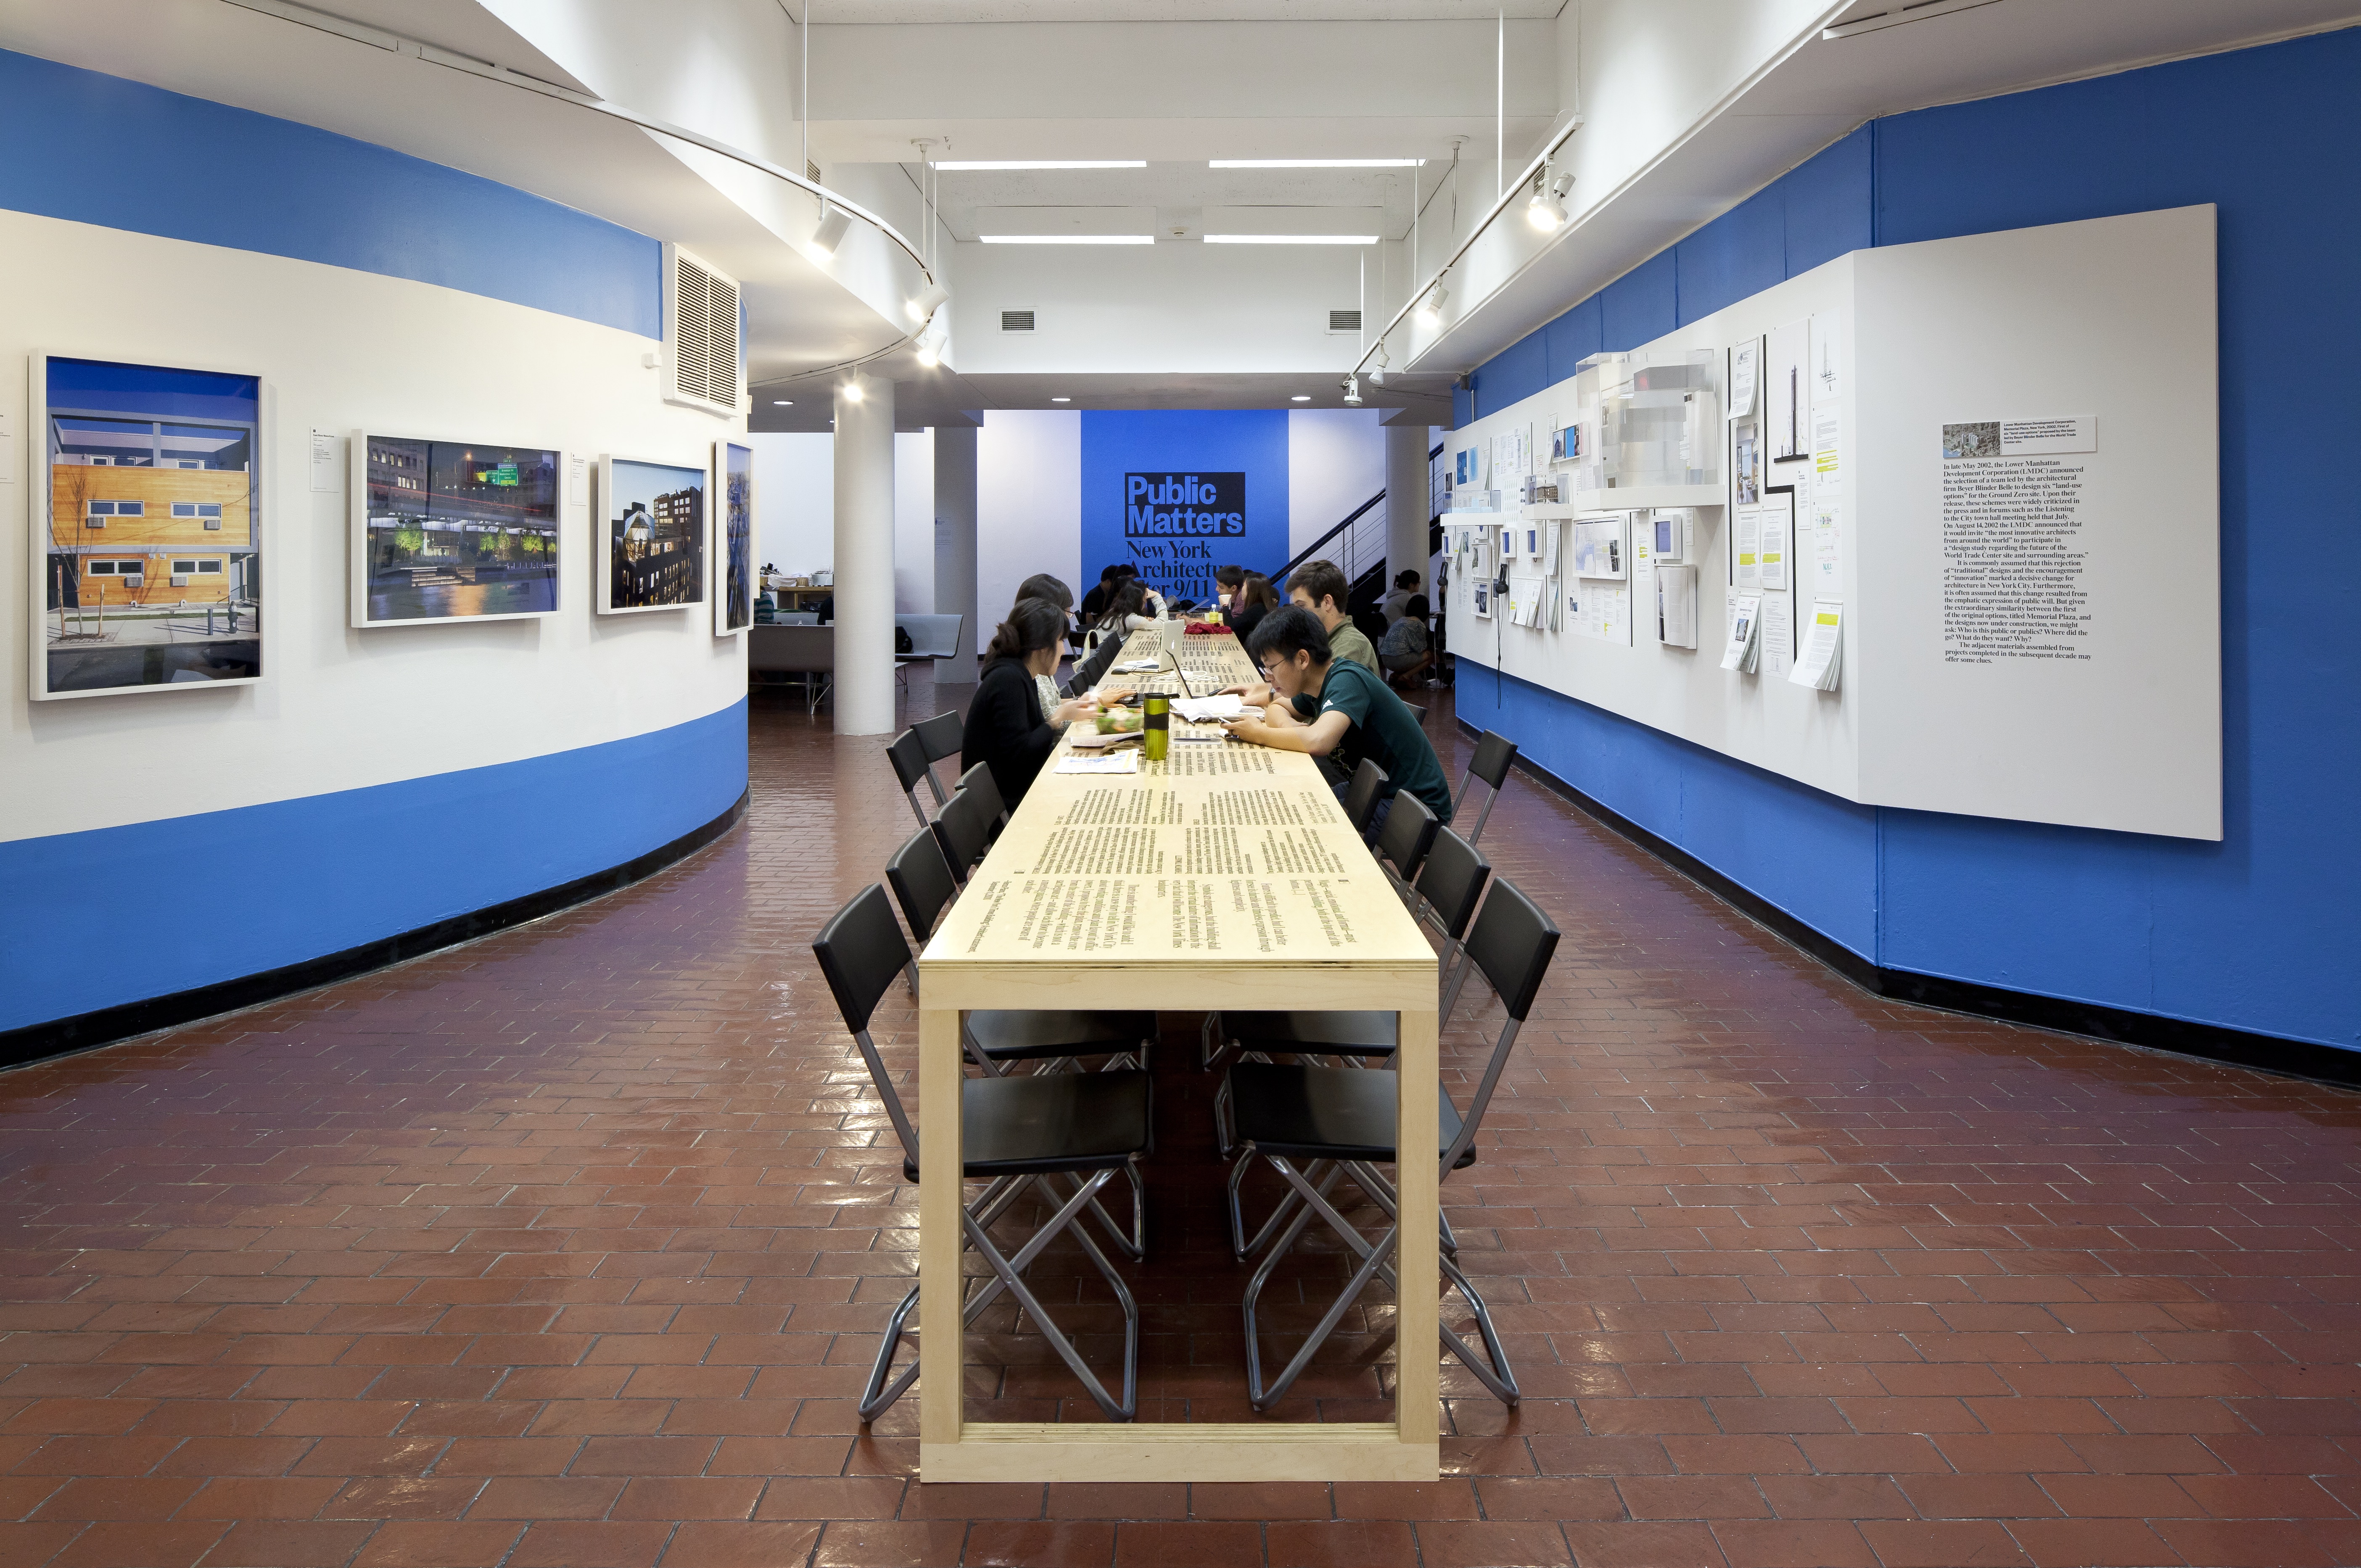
(1200, 709)
(1823, 648)
(1136, 666)
(1738, 651)
(1114, 762)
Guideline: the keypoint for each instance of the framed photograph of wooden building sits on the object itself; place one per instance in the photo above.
(650, 546)
(147, 528)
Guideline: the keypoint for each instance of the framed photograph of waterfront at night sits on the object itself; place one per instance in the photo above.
(147, 527)
(447, 531)
(649, 547)
(733, 538)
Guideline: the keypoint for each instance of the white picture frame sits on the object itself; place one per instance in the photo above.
(612, 517)
(54, 650)
(359, 572)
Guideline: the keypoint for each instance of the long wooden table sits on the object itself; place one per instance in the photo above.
(1225, 876)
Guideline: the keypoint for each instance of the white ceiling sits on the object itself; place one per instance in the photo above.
(922, 398)
(828, 12)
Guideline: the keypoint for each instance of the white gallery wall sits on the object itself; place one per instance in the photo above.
(795, 509)
(1335, 461)
(1029, 507)
(337, 708)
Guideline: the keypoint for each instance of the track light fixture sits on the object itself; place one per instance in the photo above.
(1352, 392)
(930, 347)
(833, 222)
(930, 300)
(1430, 310)
(1547, 208)
(1378, 371)
(852, 392)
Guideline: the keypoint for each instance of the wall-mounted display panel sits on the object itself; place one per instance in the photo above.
(733, 538)
(650, 545)
(145, 570)
(447, 531)
(1978, 478)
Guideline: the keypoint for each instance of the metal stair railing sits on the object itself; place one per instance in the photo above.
(1363, 546)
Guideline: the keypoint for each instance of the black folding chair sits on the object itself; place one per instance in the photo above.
(1404, 841)
(964, 829)
(979, 779)
(1450, 884)
(1361, 795)
(1337, 1124)
(1013, 1134)
(1051, 1038)
(942, 736)
(922, 884)
(908, 755)
(1494, 752)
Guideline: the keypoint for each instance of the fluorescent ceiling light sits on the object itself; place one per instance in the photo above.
(1067, 238)
(1290, 240)
(1315, 162)
(1301, 397)
(1061, 400)
(783, 403)
(1050, 163)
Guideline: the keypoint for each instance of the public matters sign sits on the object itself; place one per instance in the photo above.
(1173, 495)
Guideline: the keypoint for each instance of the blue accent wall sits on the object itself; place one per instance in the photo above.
(326, 873)
(101, 150)
(1250, 442)
(2256, 932)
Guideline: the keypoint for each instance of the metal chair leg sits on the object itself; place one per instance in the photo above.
(1009, 1272)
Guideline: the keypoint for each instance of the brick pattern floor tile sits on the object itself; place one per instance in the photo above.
(570, 1247)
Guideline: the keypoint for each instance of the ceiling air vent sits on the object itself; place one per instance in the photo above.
(1016, 321)
(700, 328)
(1344, 321)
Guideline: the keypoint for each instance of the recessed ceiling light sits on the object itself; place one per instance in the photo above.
(1301, 397)
(1044, 163)
(1315, 162)
(1067, 238)
(783, 403)
(1290, 240)
(1061, 400)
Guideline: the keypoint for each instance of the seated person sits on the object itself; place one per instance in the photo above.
(1396, 604)
(1129, 611)
(1049, 590)
(1322, 705)
(1320, 587)
(1227, 580)
(1407, 650)
(1255, 598)
(1006, 725)
(1094, 603)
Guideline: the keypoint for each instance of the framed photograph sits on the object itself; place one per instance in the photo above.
(733, 538)
(449, 531)
(147, 527)
(650, 542)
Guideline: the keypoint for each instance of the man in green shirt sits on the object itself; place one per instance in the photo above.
(1325, 705)
(1320, 587)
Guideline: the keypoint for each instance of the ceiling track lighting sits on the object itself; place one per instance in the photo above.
(834, 221)
(1546, 209)
(930, 346)
(1352, 392)
(1430, 310)
(852, 392)
(930, 300)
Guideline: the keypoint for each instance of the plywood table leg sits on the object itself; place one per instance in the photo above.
(1418, 1385)
(940, 1239)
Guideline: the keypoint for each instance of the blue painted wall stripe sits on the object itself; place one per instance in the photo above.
(85, 922)
(101, 150)
(2255, 932)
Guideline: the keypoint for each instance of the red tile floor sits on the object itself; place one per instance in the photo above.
(570, 1247)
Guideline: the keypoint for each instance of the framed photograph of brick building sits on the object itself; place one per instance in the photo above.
(650, 549)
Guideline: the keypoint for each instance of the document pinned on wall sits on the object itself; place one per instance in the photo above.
(1746, 539)
(7, 447)
(1777, 635)
(578, 480)
(2019, 437)
(1551, 533)
(1771, 550)
(1823, 654)
(1740, 643)
(1787, 392)
(328, 473)
(1828, 358)
(1745, 371)
(1826, 557)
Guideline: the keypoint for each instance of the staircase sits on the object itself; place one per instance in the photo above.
(1357, 546)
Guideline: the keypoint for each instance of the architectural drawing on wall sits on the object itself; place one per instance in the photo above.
(651, 542)
(146, 568)
(1787, 393)
(733, 541)
(451, 531)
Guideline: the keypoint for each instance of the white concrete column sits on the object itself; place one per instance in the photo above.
(864, 556)
(1407, 512)
(955, 546)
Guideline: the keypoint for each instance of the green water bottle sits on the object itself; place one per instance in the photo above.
(1155, 728)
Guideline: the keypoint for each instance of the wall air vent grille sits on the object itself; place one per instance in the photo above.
(1016, 321)
(1343, 321)
(700, 323)
(811, 172)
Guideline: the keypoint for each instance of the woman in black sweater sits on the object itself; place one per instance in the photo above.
(1005, 725)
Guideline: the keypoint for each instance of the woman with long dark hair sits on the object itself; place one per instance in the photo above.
(1255, 598)
(1005, 724)
(1127, 612)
